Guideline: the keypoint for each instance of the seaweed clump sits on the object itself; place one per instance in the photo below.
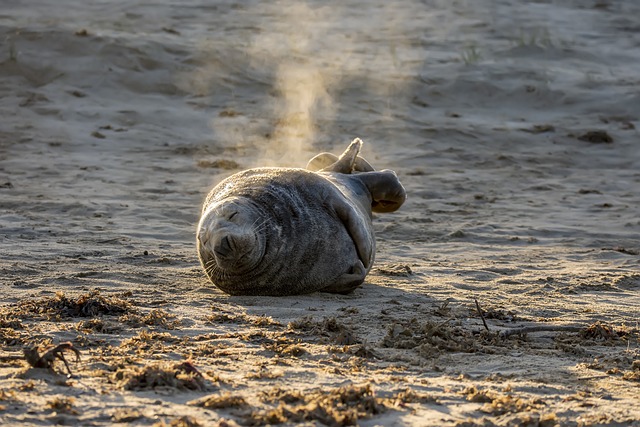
(343, 406)
(601, 332)
(431, 338)
(336, 332)
(61, 306)
(156, 317)
(219, 401)
(180, 376)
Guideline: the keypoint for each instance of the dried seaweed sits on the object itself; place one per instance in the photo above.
(61, 306)
(409, 395)
(126, 415)
(330, 327)
(13, 337)
(264, 373)
(183, 421)
(8, 320)
(285, 348)
(278, 394)
(219, 401)
(63, 405)
(602, 332)
(147, 341)
(343, 406)
(496, 403)
(180, 376)
(431, 338)
(99, 325)
(626, 365)
(155, 317)
(222, 314)
(506, 403)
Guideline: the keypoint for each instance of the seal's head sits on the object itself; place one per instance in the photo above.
(230, 237)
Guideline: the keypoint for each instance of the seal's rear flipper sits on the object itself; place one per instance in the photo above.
(321, 161)
(324, 160)
(347, 163)
(361, 165)
(347, 159)
(348, 282)
(386, 191)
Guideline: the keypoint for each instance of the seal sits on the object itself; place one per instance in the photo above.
(288, 231)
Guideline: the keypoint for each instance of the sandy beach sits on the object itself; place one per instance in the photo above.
(505, 290)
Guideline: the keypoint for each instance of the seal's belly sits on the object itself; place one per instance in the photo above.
(310, 254)
(310, 246)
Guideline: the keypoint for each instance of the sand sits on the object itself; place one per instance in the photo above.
(512, 125)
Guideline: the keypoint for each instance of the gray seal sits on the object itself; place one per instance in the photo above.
(288, 231)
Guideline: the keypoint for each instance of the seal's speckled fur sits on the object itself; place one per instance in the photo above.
(286, 231)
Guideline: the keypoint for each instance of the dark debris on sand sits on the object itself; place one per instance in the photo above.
(342, 406)
(596, 137)
(180, 376)
(62, 306)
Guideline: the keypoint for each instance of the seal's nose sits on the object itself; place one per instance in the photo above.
(224, 247)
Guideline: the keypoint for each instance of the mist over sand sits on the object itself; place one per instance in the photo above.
(512, 125)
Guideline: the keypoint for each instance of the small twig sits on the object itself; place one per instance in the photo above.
(540, 328)
(484, 322)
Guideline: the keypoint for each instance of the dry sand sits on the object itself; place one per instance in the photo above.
(512, 125)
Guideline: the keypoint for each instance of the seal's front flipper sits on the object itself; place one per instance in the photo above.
(349, 281)
(357, 229)
(387, 193)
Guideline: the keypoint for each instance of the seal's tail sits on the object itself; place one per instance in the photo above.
(348, 162)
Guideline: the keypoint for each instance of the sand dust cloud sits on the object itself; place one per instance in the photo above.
(303, 58)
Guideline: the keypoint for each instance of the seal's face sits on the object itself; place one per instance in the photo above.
(230, 240)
